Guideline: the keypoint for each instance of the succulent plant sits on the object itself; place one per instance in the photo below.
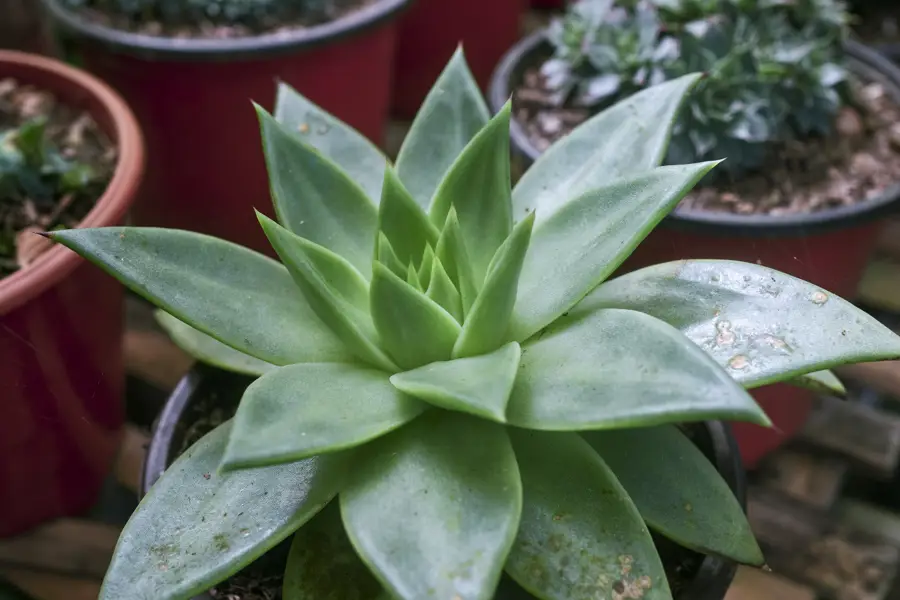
(442, 362)
(773, 69)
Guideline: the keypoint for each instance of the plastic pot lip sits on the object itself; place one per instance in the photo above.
(862, 60)
(73, 86)
(710, 583)
(150, 47)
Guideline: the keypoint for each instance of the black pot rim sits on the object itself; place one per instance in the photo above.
(710, 583)
(863, 59)
(150, 47)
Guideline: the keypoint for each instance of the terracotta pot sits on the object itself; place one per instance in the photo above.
(61, 335)
(828, 248)
(431, 31)
(205, 162)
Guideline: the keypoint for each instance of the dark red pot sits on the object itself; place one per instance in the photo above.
(829, 248)
(61, 371)
(548, 4)
(205, 162)
(431, 31)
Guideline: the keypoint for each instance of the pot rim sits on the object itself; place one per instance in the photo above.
(72, 86)
(151, 47)
(862, 59)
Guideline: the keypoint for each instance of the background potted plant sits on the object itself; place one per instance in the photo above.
(70, 155)
(193, 66)
(503, 408)
(806, 119)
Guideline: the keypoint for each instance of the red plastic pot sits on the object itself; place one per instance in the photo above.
(828, 248)
(431, 31)
(206, 170)
(548, 4)
(61, 335)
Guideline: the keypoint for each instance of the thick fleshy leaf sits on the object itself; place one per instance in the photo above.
(578, 245)
(404, 222)
(620, 368)
(304, 410)
(821, 382)
(196, 527)
(315, 198)
(425, 266)
(323, 565)
(487, 323)
(580, 535)
(630, 137)
(237, 296)
(412, 278)
(762, 325)
(388, 257)
(414, 329)
(453, 112)
(678, 491)
(451, 251)
(433, 507)
(345, 146)
(441, 290)
(478, 186)
(480, 385)
(208, 349)
(334, 289)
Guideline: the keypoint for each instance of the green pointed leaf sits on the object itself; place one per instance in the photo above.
(583, 241)
(478, 186)
(451, 251)
(425, 266)
(487, 323)
(820, 382)
(678, 491)
(412, 278)
(453, 112)
(403, 221)
(413, 329)
(336, 140)
(479, 385)
(441, 290)
(629, 137)
(315, 199)
(300, 411)
(333, 288)
(388, 257)
(580, 535)
(233, 294)
(208, 349)
(620, 368)
(431, 516)
(322, 564)
(761, 325)
(196, 527)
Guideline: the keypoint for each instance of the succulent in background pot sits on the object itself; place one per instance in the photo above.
(70, 155)
(444, 364)
(194, 66)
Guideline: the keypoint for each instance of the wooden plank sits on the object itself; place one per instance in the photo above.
(154, 358)
(880, 286)
(883, 377)
(808, 477)
(67, 546)
(756, 584)
(870, 519)
(888, 244)
(130, 461)
(782, 522)
(48, 586)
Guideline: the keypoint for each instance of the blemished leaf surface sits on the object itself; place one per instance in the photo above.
(452, 113)
(578, 245)
(433, 517)
(300, 411)
(233, 294)
(414, 329)
(404, 222)
(322, 564)
(821, 382)
(441, 290)
(487, 324)
(762, 325)
(678, 491)
(477, 185)
(629, 137)
(196, 527)
(621, 368)
(346, 147)
(334, 289)
(315, 198)
(451, 251)
(479, 385)
(208, 349)
(580, 535)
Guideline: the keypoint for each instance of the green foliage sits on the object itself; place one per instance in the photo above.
(773, 69)
(475, 394)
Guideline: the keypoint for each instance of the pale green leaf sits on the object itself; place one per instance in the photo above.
(620, 368)
(820, 382)
(433, 507)
(426, 266)
(480, 385)
(441, 290)
(404, 222)
(388, 257)
(451, 251)
(412, 278)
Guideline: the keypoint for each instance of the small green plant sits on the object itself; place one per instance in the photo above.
(441, 360)
(773, 69)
